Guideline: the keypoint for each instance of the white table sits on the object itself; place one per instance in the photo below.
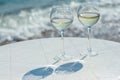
(18, 58)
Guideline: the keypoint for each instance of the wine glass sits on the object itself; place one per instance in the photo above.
(61, 17)
(88, 15)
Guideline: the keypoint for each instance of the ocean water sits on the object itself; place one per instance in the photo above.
(29, 19)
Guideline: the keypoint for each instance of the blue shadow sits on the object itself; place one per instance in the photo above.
(68, 68)
(38, 73)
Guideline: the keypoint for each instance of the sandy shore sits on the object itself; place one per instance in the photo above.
(97, 33)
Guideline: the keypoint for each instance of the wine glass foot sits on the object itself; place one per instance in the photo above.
(92, 54)
(56, 60)
(61, 58)
(66, 57)
(83, 56)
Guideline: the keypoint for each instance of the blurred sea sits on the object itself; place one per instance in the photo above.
(29, 19)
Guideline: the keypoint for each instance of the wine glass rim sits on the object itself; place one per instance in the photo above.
(83, 6)
(89, 4)
(61, 7)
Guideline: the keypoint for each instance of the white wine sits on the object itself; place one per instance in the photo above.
(61, 23)
(88, 18)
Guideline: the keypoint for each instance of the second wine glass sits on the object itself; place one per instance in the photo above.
(61, 17)
(88, 15)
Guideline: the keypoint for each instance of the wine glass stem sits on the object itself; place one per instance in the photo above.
(62, 38)
(89, 40)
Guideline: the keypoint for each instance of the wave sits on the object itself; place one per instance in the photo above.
(32, 21)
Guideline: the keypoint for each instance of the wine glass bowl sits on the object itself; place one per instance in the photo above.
(88, 16)
(61, 17)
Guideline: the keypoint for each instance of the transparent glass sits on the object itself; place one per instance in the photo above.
(61, 17)
(88, 15)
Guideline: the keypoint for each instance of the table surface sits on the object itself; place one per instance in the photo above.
(18, 58)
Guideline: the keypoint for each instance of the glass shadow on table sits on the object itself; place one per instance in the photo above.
(43, 72)
(68, 68)
(38, 73)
